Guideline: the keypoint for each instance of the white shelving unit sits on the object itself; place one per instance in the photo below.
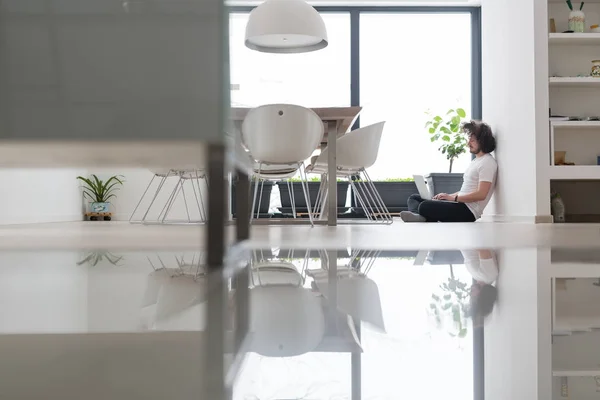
(575, 172)
(574, 93)
(583, 372)
(576, 124)
(583, 39)
(585, 81)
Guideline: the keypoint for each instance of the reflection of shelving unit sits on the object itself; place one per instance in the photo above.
(576, 326)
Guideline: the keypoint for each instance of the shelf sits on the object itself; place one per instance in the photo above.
(574, 38)
(576, 124)
(574, 270)
(574, 81)
(574, 372)
(575, 172)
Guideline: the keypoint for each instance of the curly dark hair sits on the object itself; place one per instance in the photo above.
(482, 133)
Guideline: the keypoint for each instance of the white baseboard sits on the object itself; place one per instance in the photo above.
(39, 219)
(519, 219)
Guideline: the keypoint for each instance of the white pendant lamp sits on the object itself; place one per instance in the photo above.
(285, 26)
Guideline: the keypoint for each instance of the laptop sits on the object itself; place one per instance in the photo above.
(422, 187)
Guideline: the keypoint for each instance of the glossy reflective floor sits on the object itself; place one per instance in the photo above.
(323, 324)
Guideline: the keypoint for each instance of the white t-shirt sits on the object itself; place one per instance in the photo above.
(481, 269)
(481, 169)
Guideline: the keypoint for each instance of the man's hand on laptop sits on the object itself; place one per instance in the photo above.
(443, 196)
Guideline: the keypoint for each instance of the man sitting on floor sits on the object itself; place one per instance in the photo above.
(479, 181)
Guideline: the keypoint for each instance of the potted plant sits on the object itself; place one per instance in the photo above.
(99, 192)
(447, 132)
(265, 196)
(313, 189)
(393, 191)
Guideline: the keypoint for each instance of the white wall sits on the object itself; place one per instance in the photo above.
(515, 103)
(518, 332)
(39, 195)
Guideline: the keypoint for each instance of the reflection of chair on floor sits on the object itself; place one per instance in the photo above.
(285, 318)
(357, 295)
(182, 177)
(173, 288)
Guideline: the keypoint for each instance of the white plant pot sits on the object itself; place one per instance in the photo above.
(577, 21)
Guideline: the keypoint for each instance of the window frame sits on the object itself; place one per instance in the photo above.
(355, 100)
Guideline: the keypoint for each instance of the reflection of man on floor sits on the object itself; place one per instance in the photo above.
(483, 267)
(479, 181)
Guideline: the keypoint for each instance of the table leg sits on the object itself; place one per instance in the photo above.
(242, 279)
(332, 173)
(214, 345)
(332, 257)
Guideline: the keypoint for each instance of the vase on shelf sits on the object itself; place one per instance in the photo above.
(577, 21)
(595, 69)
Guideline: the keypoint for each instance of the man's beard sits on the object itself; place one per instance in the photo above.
(474, 150)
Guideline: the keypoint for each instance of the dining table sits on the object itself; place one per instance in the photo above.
(337, 122)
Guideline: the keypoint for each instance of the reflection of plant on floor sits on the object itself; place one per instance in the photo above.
(453, 301)
(94, 257)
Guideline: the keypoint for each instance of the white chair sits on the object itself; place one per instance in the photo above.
(192, 178)
(279, 137)
(356, 151)
(286, 319)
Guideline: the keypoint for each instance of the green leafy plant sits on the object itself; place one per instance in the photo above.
(453, 300)
(312, 179)
(390, 180)
(99, 191)
(399, 180)
(448, 131)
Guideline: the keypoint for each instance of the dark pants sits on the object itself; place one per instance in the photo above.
(440, 211)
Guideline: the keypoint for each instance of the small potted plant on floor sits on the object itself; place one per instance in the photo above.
(100, 192)
(447, 132)
(393, 191)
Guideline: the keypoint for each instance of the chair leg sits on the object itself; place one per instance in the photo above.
(377, 212)
(356, 190)
(158, 189)
(304, 180)
(290, 186)
(324, 196)
(142, 198)
(172, 199)
(162, 211)
(187, 209)
(262, 185)
(202, 206)
(255, 194)
(194, 180)
(317, 207)
(384, 210)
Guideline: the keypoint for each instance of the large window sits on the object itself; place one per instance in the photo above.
(317, 79)
(410, 64)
